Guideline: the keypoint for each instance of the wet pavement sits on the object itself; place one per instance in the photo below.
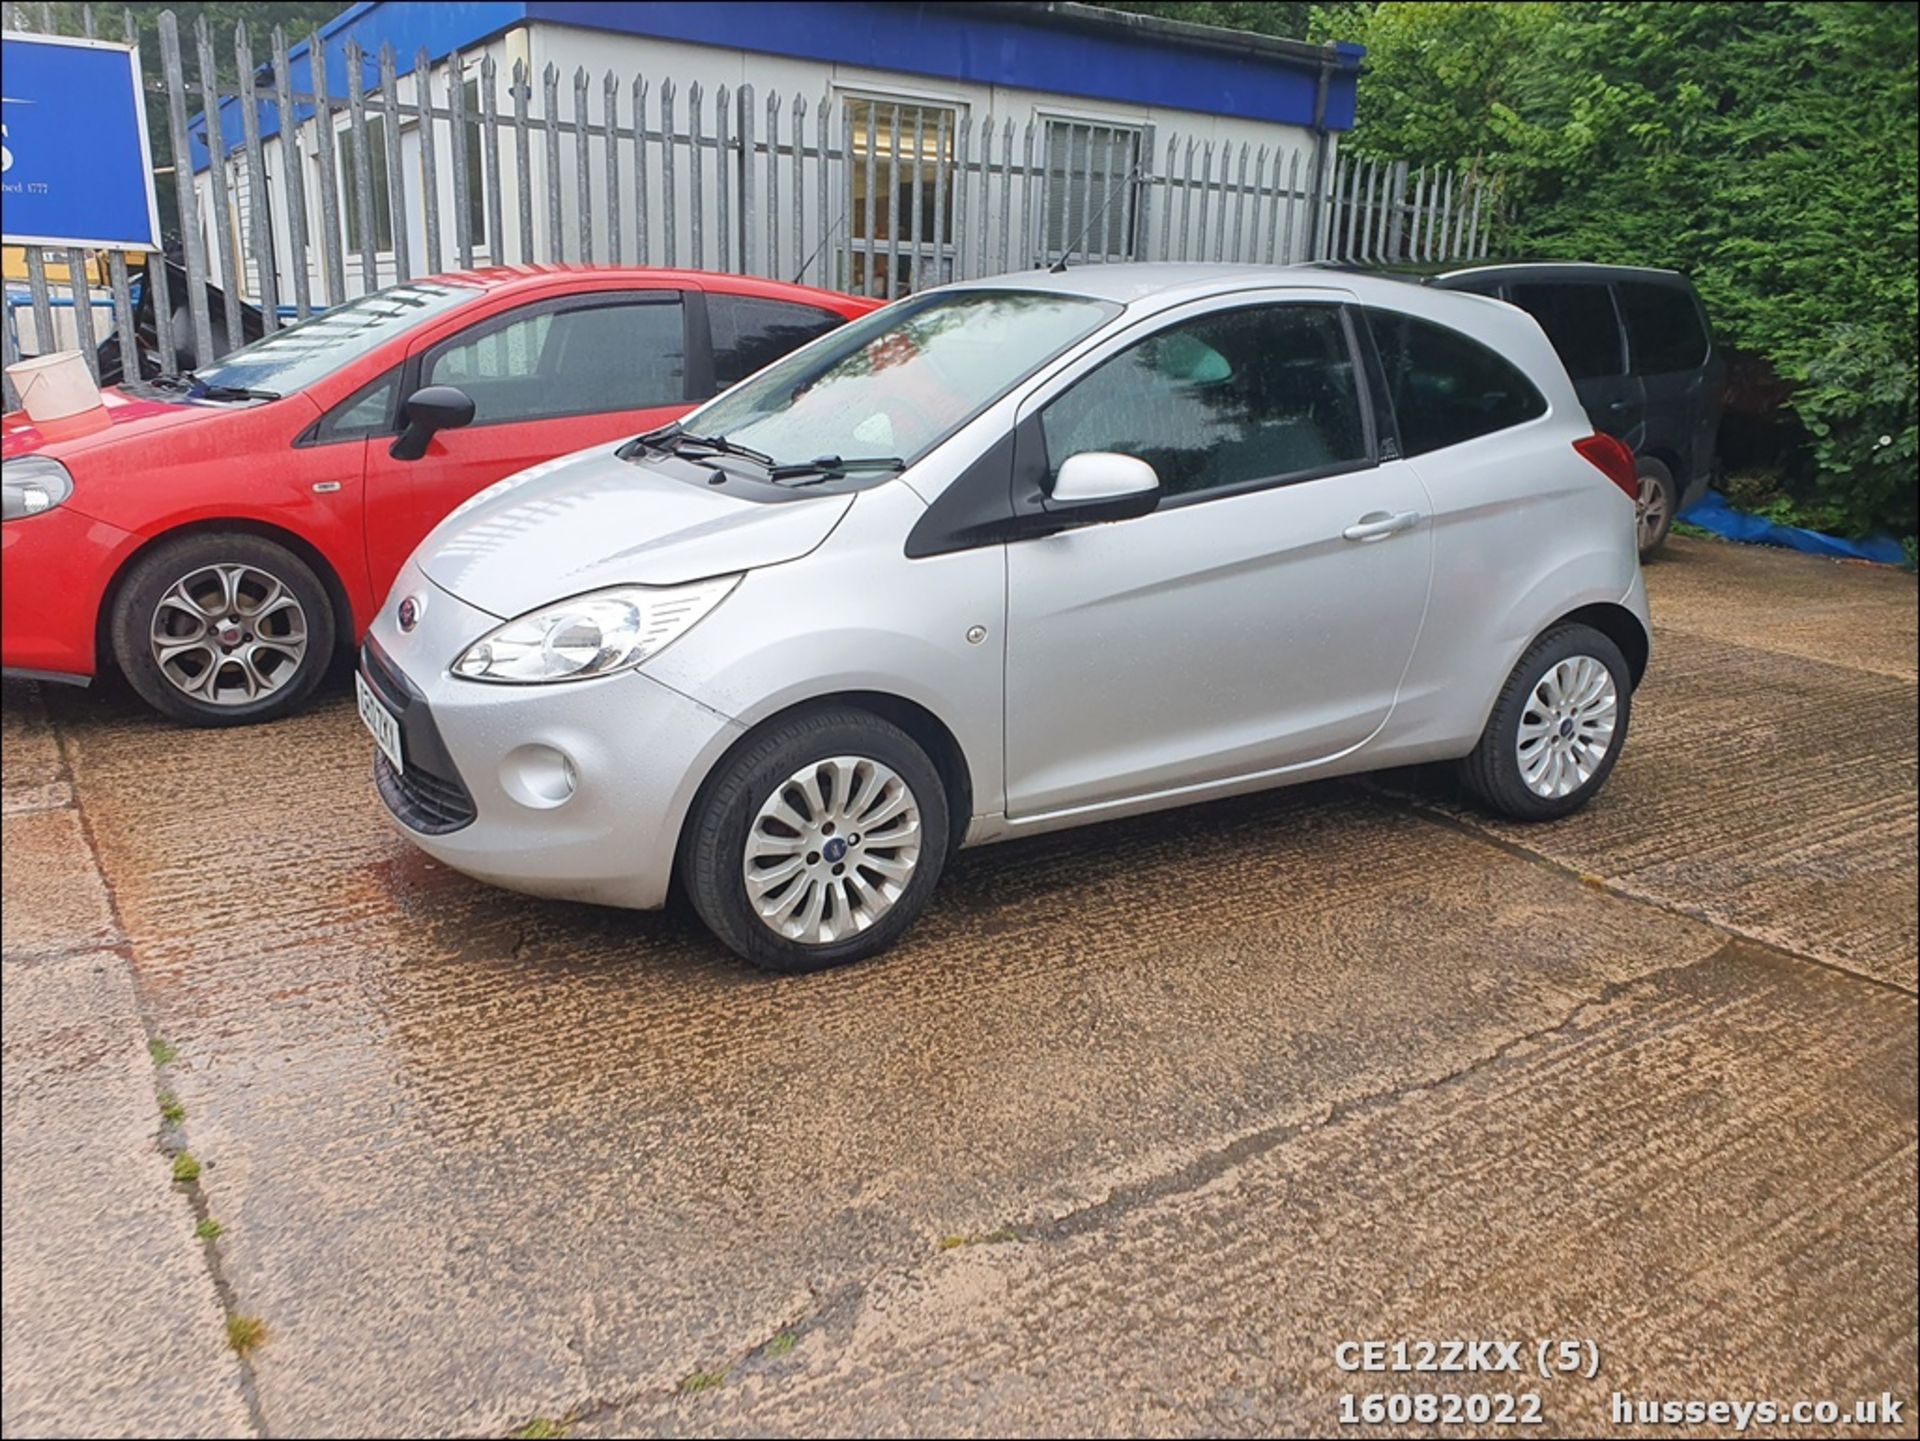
(1129, 1134)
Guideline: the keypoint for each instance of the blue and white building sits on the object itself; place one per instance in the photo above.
(1105, 126)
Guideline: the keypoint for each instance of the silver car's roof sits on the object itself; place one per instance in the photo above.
(1134, 281)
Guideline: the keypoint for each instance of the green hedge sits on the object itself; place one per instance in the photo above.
(1766, 149)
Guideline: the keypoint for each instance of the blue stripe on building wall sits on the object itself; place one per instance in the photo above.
(983, 46)
(989, 46)
(443, 26)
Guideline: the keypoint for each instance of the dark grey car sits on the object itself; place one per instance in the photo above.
(1644, 363)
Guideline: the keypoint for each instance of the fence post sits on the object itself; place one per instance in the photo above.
(325, 149)
(490, 158)
(550, 121)
(396, 172)
(962, 178)
(893, 201)
(669, 239)
(293, 177)
(696, 171)
(457, 151)
(185, 197)
(362, 154)
(749, 213)
(640, 169)
(1139, 239)
(426, 128)
(722, 182)
(610, 112)
(217, 184)
(522, 86)
(582, 165)
(915, 233)
(773, 185)
(259, 231)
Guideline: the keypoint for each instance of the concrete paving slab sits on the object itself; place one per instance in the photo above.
(52, 897)
(1773, 794)
(112, 1325)
(1670, 1171)
(1860, 616)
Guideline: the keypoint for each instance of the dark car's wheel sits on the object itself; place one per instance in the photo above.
(1556, 729)
(1655, 506)
(220, 630)
(819, 842)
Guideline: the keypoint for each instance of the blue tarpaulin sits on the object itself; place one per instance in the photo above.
(1712, 513)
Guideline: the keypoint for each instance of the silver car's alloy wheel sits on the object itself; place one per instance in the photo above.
(832, 850)
(228, 635)
(1651, 509)
(1567, 727)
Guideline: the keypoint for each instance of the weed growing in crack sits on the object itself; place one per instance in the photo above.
(208, 1230)
(702, 1381)
(185, 1169)
(163, 1052)
(171, 1111)
(244, 1333)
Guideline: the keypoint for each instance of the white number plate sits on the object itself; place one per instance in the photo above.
(379, 720)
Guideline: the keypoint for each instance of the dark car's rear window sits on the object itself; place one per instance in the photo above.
(1579, 319)
(1664, 332)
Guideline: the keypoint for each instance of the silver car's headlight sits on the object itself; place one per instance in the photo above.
(590, 635)
(30, 484)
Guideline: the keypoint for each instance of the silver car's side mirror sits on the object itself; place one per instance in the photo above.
(1101, 485)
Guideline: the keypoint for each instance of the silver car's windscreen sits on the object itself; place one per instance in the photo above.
(901, 380)
(293, 358)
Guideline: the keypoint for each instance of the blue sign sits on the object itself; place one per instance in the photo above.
(74, 146)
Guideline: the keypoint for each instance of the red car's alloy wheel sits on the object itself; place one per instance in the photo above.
(229, 634)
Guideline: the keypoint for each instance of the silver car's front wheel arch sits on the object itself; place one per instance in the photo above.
(928, 731)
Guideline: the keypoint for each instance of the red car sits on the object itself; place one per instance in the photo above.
(222, 536)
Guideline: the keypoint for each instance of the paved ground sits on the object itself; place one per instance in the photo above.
(1136, 1128)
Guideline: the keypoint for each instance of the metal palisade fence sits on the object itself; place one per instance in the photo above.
(454, 164)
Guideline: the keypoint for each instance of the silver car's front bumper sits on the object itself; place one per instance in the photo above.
(575, 790)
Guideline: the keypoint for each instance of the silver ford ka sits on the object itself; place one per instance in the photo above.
(1006, 557)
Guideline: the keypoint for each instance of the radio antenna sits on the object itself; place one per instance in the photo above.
(1059, 267)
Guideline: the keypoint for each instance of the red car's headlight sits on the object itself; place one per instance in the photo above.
(30, 484)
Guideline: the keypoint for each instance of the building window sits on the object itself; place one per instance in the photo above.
(1090, 197)
(885, 134)
(350, 186)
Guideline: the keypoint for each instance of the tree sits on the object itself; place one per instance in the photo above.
(1766, 149)
(1288, 21)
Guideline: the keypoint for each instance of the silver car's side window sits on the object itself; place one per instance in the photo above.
(1447, 387)
(1222, 401)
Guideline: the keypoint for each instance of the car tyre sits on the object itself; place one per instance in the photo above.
(778, 830)
(182, 602)
(1654, 509)
(1541, 755)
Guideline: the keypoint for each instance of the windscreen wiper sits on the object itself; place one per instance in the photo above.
(833, 467)
(205, 390)
(233, 392)
(720, 445)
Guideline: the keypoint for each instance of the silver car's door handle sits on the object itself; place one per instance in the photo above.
(1379, 525)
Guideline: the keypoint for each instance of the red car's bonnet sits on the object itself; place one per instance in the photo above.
(119, 418)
